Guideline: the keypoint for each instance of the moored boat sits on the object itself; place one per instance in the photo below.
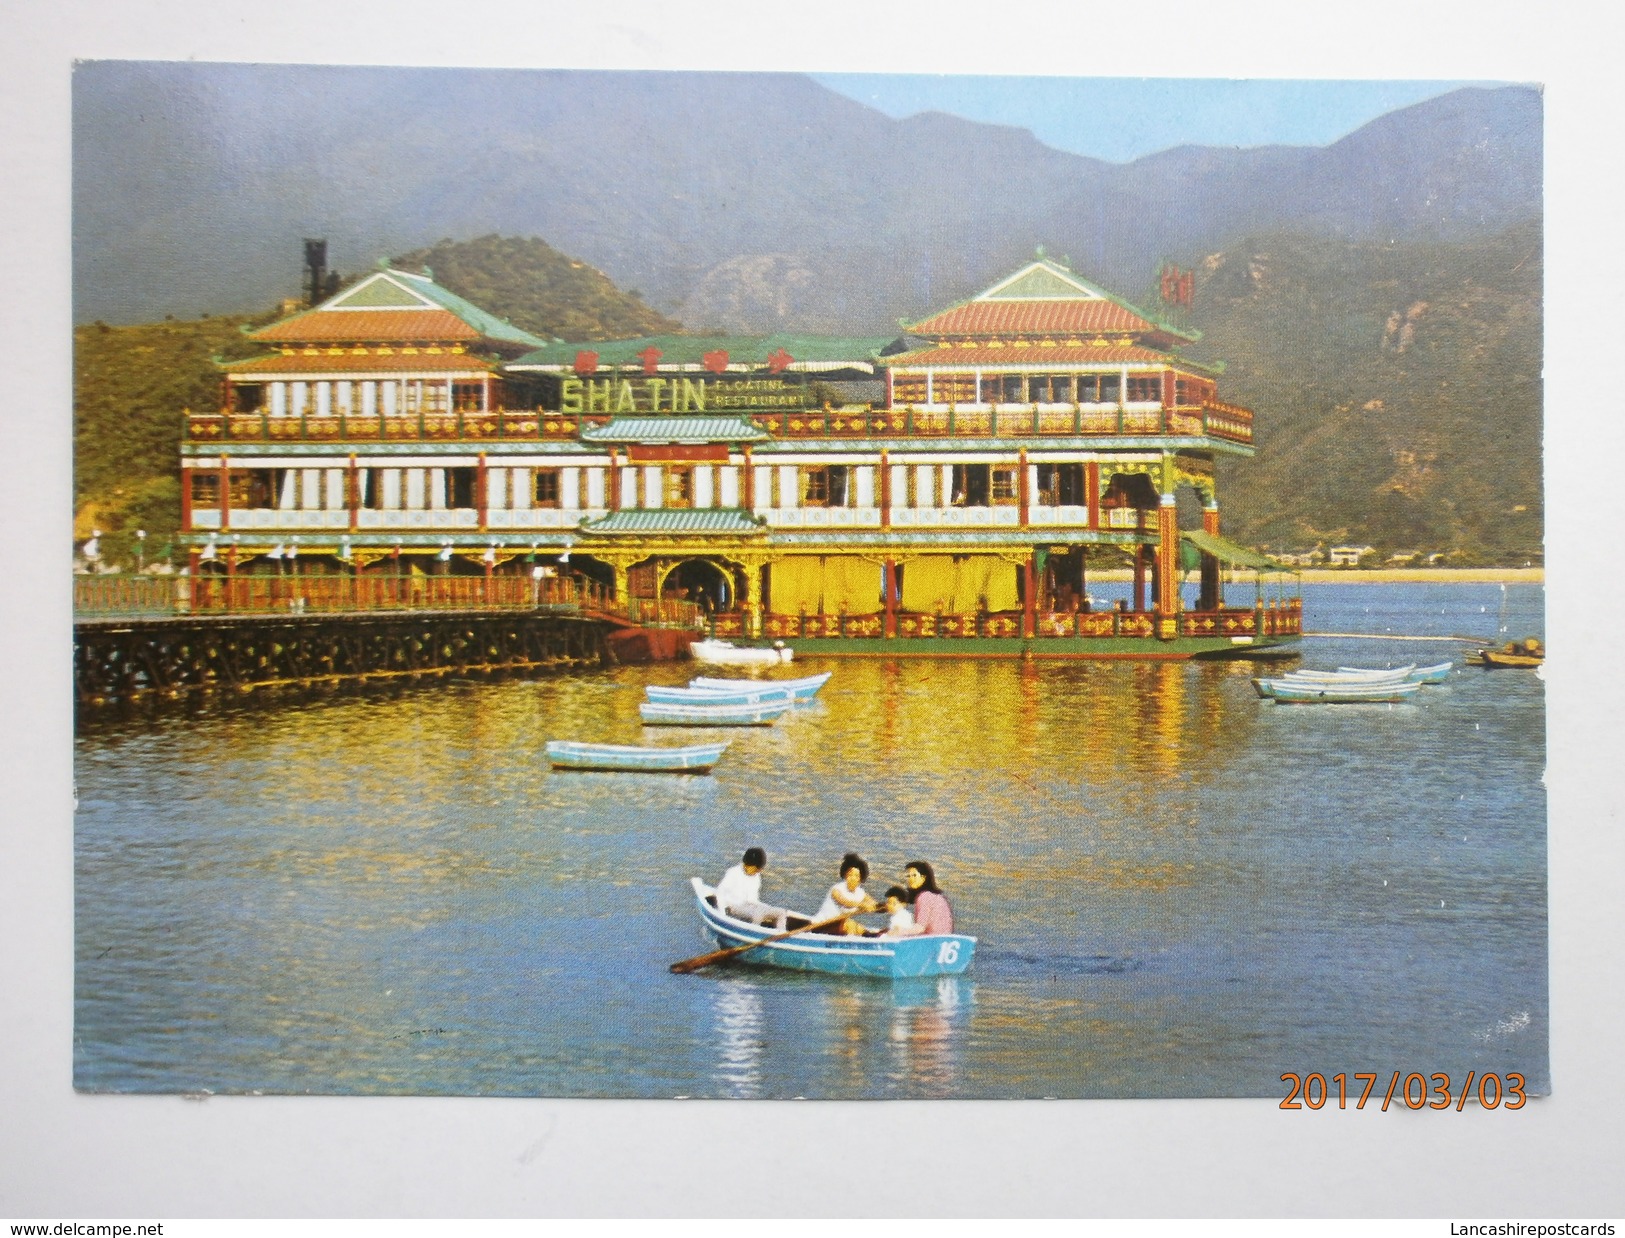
(1295, 692)
(1349, 674)
(694, 759)
(752, 713)
(726, 653)
(1526, 652)
(801, 689)
(708, 696)
(945, 954)
(1437, 673)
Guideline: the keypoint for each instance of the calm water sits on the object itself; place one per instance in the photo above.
(1180, 890)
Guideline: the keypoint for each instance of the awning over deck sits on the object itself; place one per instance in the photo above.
(690, 429)
(670, 520)
(1226, 551)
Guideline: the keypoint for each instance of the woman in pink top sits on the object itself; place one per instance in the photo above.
(931, 911)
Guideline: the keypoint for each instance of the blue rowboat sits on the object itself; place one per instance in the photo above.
(802, 689)
(756, 713)
(1298, 692)
(1437, 673)
(699, 696)
(943, 954)
(696, 759)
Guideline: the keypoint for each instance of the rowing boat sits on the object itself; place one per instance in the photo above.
(801, 689)
(1298, 692)
(724, 652)
(943, 954)
(1352, 674)
(751, 713)
(1436, 673)
(695, 759)
(705, 696)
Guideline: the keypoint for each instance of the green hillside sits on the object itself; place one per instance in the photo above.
(1397, 392)
(535, 287)
(130, 385)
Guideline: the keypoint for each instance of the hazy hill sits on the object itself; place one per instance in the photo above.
(751, 202)
(540, 290)
(1398, 391)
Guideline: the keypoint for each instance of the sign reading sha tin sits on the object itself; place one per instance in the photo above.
(677, 395)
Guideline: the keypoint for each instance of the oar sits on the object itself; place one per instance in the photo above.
(716, 956)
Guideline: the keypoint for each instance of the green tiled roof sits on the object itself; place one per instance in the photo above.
(676, 520)
(488, 325)
(689, 429)
(807, 351)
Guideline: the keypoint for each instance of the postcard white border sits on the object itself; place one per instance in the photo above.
(64, 1155)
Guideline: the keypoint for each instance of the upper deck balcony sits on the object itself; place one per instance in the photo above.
(1212, 419)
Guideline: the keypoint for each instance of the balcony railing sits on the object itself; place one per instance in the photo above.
(122, 596)
(1213, 419)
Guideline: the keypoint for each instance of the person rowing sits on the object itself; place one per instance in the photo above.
(739, 893)
(847, 897)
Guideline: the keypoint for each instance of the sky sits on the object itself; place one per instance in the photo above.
(1120, 119)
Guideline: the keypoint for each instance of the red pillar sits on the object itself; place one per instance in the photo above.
(747, 481)
(225, 495)
(353, 493)
(890, 578)
(1139, 576)
(1091, 484)
(885, 507)
(482, 490)
(1024, 496)
(186, 500)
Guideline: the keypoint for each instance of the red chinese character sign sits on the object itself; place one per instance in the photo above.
(586, 362)
(717, 360)
(1178, 287)
(778, 361)
(650, 357)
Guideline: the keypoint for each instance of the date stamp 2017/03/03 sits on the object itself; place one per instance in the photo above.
(1414, 1091)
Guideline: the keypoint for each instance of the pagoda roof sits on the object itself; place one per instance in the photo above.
(1045, 297)
(676, 520)
(371, 362)
(746, 353)
(391, 305)
(690, 428)
(1028, 353)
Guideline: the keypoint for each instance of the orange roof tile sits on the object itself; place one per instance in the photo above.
(980, 354)
(1006, 317)
(349, 363)
(361, 326)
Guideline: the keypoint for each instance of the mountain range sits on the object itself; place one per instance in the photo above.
(735, 201)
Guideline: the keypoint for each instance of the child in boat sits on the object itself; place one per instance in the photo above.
(901, 923)
(847, 895)
(739, 893)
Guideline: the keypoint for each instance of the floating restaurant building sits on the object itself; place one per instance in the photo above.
(949, 490)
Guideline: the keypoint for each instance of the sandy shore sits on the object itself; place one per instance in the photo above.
(1378, 576)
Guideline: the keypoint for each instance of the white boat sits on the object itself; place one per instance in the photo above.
(802, 689)
(751, 694)
(725, 653)
(1352, 675)
(753, 713)
(1302, 692)
(696, 759)
(1436, 673)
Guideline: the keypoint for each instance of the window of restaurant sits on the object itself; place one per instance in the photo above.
(970, 485)
(247, 397)
(460, 487)
(1144, 389)
(1098, 388)
(1006, 487)
(825, 485)
(205, 488)
(679, 485)
(1060, 485)
(465, 397)
(545, 488)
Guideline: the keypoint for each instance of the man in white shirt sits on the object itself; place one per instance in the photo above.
(739, 893)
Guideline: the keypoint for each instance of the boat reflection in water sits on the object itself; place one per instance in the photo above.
(928, 1015)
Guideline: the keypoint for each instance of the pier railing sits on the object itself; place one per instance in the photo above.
(1270, 619)
(131, 596)
(1211, 419)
